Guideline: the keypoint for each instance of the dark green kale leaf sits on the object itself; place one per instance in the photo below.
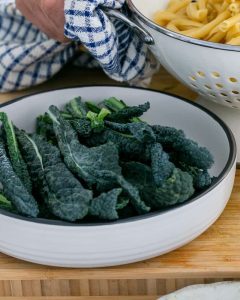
(93, 107)
(89, 122)
(77, 108)
(123, 113)
(81, 160)
(82, 126)
(6, 204)
(114, 104)
(185, 150)
(128, 146)
(105, 206)
(34, 161)
(129, 113)
(14, 189)
(96, 166)
(201, 178)
(140, 131)
(192, 154)
(162, 168)
(127, 187)
(61, 191)
(176, 189)
(44, 127)
(66, 115)
(85, 121)
(167, 135)
(67, 199)
(18, 164)
(123, 201)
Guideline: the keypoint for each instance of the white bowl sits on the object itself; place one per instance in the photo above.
(215, 291)
(60, 244)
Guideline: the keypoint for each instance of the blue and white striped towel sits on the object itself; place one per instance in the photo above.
(28, 57)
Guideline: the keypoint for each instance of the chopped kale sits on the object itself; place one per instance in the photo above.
(92, 161)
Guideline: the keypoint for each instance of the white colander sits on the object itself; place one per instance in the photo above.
(210, 69)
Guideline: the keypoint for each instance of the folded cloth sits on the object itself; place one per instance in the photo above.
(28, 57)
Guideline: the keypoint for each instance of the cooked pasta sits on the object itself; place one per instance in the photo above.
(210, 20)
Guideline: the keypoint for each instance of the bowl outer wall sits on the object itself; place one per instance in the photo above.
(107, 245)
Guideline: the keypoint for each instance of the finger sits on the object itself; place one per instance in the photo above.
(54, 12)
(27, 7)
(48, 17)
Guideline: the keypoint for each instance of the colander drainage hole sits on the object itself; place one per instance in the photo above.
(213, 95)
(219, 85)
(223, 94)
(215, 74)
(201, 74)
(232, 79)
(228, 101)
(207, 87)
(193, 78)
(235, 92)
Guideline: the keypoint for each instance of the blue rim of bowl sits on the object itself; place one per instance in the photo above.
(230, 162)
(176, 35)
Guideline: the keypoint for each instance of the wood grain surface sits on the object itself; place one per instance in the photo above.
(82, 298)
(214, 256)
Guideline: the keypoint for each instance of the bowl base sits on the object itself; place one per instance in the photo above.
(229, 116)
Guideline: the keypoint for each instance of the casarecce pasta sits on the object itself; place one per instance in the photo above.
(210, 20)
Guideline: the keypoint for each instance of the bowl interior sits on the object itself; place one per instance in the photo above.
(165, 110)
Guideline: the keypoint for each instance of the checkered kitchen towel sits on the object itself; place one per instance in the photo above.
(28, 57)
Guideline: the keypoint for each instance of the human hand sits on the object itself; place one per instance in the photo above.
(46, 15)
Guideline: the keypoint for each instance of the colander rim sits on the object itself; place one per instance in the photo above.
(176, 35)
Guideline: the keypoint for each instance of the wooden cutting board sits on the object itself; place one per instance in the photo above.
(214, 256)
